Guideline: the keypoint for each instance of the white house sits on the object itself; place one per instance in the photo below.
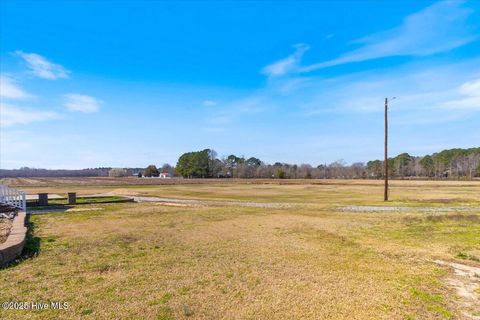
(164, 175)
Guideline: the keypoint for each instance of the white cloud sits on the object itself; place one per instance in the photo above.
(471, 88)
(12, 115)
(209, 103)
(82, 103)
(288, 64)
(470, 97)
(43, 68)
(440, 27)
(425, 95)
(9, 89)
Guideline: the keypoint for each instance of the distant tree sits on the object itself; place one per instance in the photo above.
(428, 166)
(183, 165)
(293, 171)
(139, 175)
(305, 171)
(322, 172)
(234, 165)
(214, 164)
(195, 164)
(279, 173)
(375, 168)
(337, 168)
(117, 172)
(358, 170)
(151, 171)
(401, 164)
(253, 162)
(392, 170)
(217, 168)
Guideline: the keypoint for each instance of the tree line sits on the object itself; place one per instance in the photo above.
(26, 172)
(452, 163)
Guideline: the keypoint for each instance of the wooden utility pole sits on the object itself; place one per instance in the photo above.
(385, 163)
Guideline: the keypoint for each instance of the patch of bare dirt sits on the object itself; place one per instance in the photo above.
(5, 226)
(403, 209)
(172, 204)
(213, 202)
(195, 202)
(459, 217)
(466, 281)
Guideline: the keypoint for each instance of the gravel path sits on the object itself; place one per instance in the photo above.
(213, 202)
(200, 202)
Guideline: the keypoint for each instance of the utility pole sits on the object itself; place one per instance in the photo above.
(385, 163)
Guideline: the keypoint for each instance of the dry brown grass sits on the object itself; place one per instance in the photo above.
(312, 261)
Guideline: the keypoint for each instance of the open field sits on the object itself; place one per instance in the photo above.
(326, 255)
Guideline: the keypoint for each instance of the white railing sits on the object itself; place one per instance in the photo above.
(13, 197)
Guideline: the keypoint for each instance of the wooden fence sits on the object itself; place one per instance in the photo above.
(13, 197)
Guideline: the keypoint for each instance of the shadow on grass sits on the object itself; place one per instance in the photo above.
(31, 248)
(56, 206)
(32, 243)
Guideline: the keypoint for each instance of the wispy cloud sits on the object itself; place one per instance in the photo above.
(288, 64)
(441, 27)
(234, 110)
(41, 67)
(437, 28)
(12, 115)
(10, 90)
(433, 93)
(469, 97)
(209, 103)
(425, 94)
(82, 103)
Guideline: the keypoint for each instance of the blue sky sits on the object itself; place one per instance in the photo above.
(99, 83)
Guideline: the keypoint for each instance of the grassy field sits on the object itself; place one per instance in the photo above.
(311, 259)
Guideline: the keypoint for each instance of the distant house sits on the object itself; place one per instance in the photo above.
(164, 175)
(446, 173)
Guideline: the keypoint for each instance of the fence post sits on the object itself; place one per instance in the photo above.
(43, 199)
(72, 198)
(24, 202)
